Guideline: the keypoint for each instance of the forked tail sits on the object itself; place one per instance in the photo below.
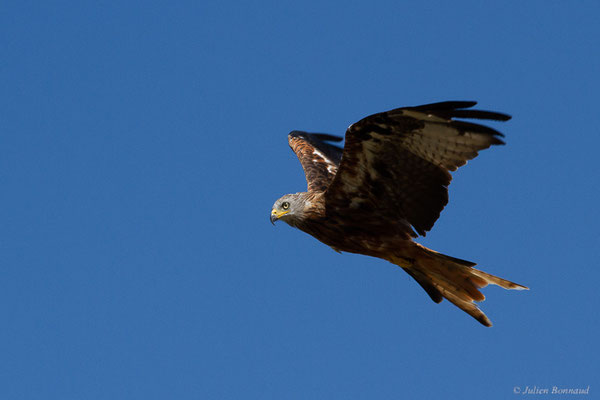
(447, 277)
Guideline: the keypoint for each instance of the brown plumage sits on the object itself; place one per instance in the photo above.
(387, 186)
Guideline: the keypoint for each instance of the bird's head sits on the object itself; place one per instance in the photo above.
(288, 208)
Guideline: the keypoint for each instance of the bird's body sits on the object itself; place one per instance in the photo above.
(347, 237)
(389, 181)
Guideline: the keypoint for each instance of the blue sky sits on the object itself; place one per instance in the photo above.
(143, 144)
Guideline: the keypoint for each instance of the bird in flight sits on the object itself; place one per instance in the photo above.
(388, 185)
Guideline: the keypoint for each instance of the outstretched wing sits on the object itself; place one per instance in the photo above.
(319, 159)
(396, 164)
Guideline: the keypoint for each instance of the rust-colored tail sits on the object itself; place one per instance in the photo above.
(455, 279)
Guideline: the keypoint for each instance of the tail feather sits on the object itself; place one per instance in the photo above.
(427, 285)
(467, 306)
(489, 278)
(442, 276)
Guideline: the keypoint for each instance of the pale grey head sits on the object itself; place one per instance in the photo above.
(289, 208)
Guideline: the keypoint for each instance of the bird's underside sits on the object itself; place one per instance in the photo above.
(387, 186)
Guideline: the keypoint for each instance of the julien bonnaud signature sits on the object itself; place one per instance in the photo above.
(550, 390)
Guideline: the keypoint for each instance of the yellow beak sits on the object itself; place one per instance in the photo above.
(276, 214)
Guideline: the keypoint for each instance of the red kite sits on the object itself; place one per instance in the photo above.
(387, 186)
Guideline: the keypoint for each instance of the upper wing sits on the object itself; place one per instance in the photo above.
(319, 159)
(396, 164)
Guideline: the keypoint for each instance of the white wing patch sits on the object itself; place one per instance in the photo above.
(331, 167)
(446, 146)
(442, 144)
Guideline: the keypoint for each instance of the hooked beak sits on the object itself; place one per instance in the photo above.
(275, 215)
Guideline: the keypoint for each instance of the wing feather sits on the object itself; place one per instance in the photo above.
(320, 160)
(398, 162)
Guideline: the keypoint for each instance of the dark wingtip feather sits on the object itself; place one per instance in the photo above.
(458, 109)
(444, 105)
(326, 137)
(478, 114)
(471, 127)
(299, 134)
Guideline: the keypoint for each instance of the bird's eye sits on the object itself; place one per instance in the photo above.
(285, 205)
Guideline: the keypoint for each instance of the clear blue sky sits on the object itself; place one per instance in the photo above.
(143, 144)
